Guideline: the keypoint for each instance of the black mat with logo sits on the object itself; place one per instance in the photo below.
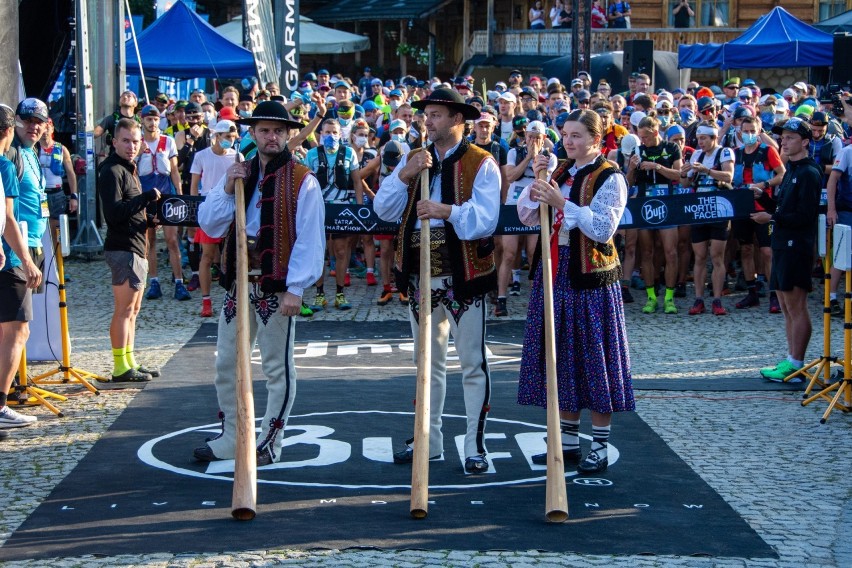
(139, 491)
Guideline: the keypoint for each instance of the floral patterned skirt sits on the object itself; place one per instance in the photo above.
(592, 357)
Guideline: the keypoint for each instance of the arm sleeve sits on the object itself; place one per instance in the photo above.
(306, 259)
(116, 209)
(599, 220)
(477, 217)
(216, 212)
(392, 196)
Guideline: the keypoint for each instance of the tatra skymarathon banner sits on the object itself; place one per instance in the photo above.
(641, 213)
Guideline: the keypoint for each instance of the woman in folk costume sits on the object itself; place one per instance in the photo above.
(588, 196)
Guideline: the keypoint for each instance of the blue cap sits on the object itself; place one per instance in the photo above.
(749, 83)
(395, 93)
(389, 84)
(359, 111)
(323, 72)
(310, 76)
(376, 81)
(560, 120)
(627, 110)
(678, 91)
(674, 130)
(342, 85)
(369, 105)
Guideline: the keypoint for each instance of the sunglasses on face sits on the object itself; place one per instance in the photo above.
(745, 98)
(664, 112)
(706, 112)
(732, 87)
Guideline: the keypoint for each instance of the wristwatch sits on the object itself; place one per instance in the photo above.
(657, 167)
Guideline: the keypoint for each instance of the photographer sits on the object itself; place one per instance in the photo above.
(682, 13)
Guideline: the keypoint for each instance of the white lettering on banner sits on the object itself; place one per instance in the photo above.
(328, 501)
(596, 505)
(693, 506)
(291, 75)
(654, 211)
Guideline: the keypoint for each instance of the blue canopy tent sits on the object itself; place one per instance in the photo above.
(776, 39)
(181, 44)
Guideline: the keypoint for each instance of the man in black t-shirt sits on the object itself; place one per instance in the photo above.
(654, 169)
(682, 13)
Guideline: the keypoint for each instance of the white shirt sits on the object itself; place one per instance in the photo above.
(474, 219)
(598, 220)
(517, 186)
(211, 167)
(216, 213)
(708, 160)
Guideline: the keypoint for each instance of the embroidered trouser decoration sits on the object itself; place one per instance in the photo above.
(465, 320)
(274, 334)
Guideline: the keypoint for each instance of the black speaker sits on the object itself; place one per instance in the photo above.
(638, 58)
(841, 72)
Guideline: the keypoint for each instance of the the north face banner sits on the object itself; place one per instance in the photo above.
(260, 39)
(641, 213)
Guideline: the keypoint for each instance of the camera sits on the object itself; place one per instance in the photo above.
(832, 95)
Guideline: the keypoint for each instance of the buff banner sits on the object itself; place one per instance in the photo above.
(641, 213)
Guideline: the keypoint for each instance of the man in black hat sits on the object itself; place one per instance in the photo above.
(463, 209)
(285, 219)
(793, 242)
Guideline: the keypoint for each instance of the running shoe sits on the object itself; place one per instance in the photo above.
(697, 307)
(215, 272)
(781, 372)
(836, 311)
(11, 419)
(669, 307)
(371, 279)
(637, 283)
(751, 300)
(340, 302)
(767, 369)
(500, 309)
(181, 295)
(719, 309)
(305, 311)
(774, 306)
(680, 290)
(206, 308)
(154, 291)
(320, 302)
(385, 298)
(626, 296)
(515, 289)
(650, 306)
(193, 284)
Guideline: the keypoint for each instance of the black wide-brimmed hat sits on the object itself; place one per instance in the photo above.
(448, 98)
(273, 111)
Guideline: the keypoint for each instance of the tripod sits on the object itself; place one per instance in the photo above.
(24, 390)
(844, 386)
(69, 373)
(821, 375)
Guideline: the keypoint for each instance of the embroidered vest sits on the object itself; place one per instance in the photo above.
(472, 262)
(590, 264)
(277, 236)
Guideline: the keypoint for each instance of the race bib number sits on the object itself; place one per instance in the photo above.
(45, 209)
(657, 190)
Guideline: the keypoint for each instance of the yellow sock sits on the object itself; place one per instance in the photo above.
(131, 361)
(120, 366)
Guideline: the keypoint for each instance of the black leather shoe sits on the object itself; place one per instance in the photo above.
(476, 464)
(205, 454)
(264, 457)
(593, 464)
(407, 455)
(154, 372)
(131, 376)
(572, 457)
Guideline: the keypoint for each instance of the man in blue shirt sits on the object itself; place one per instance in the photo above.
(19, 274)
(617, 14)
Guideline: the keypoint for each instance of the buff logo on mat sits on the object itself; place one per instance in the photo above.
(640, 213)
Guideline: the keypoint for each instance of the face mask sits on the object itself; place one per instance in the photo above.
(398, 138)
(780, 116)
(360, 141)
(394, 104)
(225, 144)
(749, 139)
(245, 114)
(664, 121)
(686, 115)
(767, 117)
(209, 117)
(343, 121)
(330, 141)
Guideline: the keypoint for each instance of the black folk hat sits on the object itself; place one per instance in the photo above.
(272, 111)
(451, 99)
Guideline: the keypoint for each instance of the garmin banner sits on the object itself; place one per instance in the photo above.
(641, 213)
(287, 33)
(259, 38)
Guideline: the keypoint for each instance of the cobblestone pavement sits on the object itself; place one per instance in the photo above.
(769, 457)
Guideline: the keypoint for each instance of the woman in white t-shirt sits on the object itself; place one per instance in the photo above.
(208, 167)
(537, 16)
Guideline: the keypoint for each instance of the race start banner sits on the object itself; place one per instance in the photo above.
(641, 213)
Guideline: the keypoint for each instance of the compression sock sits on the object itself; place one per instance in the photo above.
(652, 294)
(131, 360)
(832, 296)
(340, 289)
(570, 434)
(669, 294)
(119, 359)
(600, 440)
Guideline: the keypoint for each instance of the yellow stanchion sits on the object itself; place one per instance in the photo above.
(25, 393)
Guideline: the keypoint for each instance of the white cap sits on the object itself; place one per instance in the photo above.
(767, 99)
(665, 96)
(800, 86)
(782, 104)
(398, 123)
(637, 117)
(507, 96)
(225, 126)
(630, 142)
(790, 93)
(745, 92)
(553, 81)
(537, 127)
(663, 103)
(435, 85)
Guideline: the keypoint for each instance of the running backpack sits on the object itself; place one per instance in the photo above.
(339, 169)
(149, 166)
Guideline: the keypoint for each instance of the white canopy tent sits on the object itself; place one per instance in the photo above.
(314, 39)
